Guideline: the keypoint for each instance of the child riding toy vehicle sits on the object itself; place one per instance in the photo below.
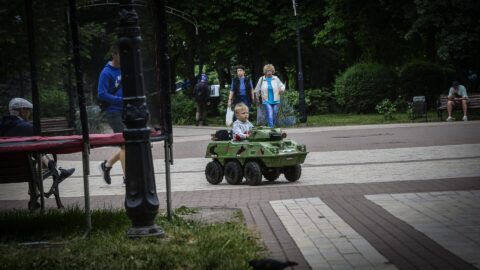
(266, 152)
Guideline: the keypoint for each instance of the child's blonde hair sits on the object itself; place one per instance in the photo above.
(239, 107)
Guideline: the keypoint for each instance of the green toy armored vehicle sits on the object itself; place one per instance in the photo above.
(266, 152)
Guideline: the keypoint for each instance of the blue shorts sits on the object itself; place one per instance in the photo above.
(115, 121)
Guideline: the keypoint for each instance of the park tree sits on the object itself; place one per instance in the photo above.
(335, 35)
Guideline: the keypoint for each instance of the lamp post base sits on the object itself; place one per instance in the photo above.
(147, 231)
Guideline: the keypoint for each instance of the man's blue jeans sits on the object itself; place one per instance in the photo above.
(272, 111)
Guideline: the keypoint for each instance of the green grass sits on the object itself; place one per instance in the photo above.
(188, 245)
(363, 119)
(345, 119)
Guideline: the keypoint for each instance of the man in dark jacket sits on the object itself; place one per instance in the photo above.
(241, 90)
(201, 95)
(16, 125)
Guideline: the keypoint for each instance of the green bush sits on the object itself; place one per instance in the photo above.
(363, 86)
(292, 98)
(287, 113)
(96, 120)
(386, 108)
(319, 101)
(183, 109)
(53, 102)
(419, 78)
(222, 105)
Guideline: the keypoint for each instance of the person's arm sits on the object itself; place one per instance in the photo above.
(258, 90)
(250, 126)
(464, 93)
(280, 85)
(450, 94)
(230, 96)
(104, 83)
(252, 92)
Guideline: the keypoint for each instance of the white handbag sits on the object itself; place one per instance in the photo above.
(229, 117)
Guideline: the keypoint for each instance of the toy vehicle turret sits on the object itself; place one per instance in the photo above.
(265, 153)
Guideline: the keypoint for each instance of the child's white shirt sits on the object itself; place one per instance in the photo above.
(241, 128)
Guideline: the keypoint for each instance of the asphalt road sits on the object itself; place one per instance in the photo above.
(191, 141)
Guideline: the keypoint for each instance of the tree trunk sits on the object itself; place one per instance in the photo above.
(190, 62)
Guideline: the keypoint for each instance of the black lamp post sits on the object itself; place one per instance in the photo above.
(141, 201)
(301, 92)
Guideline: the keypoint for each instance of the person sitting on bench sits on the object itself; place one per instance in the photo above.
(16, 125)
(457, 96)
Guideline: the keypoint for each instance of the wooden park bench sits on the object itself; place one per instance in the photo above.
(473, 103)
(56, 126)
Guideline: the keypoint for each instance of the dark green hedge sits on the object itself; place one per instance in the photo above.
(420, 78)
(53, 102)
(362, 86)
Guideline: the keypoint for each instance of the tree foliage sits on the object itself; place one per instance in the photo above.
(335, 34)
(364, 85)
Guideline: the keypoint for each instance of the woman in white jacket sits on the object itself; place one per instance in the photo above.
(270, 88)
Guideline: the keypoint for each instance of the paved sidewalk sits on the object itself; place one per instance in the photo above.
(400, 208)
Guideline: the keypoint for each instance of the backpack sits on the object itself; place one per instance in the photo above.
(201, 92)
(223, 135)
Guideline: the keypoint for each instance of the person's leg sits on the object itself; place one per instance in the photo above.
(464, 107)
(121, 157)
(57, 173)
(275, 113)
(116, 157)
(204, 113)
(269, 114)
(197, 114)
(116, 123)
(450, 105)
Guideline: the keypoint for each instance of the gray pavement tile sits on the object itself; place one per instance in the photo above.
(442, 229)
(327, 242)
(377, 171)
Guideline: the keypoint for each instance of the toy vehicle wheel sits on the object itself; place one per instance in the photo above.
(292, 173)
(214, 172)
(233, 172)
(271, 174)
(253, 173)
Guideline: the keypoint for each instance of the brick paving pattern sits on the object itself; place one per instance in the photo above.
(324, 239)
(452, 218)
(380, 208)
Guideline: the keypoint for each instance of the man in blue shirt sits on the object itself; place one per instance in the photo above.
(110, 91)
(457, 96)
(241, 89)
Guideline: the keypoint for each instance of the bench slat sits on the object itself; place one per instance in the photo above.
(56, 126)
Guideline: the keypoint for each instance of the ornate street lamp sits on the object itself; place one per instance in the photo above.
(301, 92)
(141, 201)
